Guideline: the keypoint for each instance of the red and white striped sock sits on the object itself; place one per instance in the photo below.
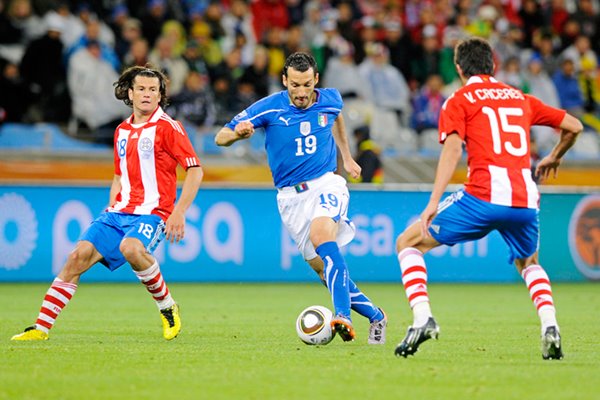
(57, 297)
(414, 278)
(538, 283)
(154, 282)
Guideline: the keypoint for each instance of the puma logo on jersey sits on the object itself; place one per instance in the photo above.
(286, 121)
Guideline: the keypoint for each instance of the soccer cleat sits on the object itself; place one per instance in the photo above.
(31, 333)
(343, 327)
(377, 330)
(171, 322)
(551, 347)
(415, 336)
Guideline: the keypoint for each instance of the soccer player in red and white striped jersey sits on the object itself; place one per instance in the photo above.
(143, 209)
(492, 120)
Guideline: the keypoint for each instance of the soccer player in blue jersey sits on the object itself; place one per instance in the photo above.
(303, 125)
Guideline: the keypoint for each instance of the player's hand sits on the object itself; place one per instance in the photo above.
(175, 227)
(352, 168)
(427, 216)
(548, 165)
(244, 129)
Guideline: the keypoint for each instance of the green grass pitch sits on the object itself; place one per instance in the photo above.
(239, 342)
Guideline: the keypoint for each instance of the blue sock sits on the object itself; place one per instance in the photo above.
(362, 305)
(336, 275)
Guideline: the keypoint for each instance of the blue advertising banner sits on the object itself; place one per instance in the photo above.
(236, 235)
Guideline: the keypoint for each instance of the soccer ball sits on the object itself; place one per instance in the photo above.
(314, 325)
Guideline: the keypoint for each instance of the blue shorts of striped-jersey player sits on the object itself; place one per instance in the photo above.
(325, 196)
(108, 230)
(462, 217)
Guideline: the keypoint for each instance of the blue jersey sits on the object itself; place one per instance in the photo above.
(299, 142)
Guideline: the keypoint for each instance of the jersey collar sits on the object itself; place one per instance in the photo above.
(153, 118)
(481, 79)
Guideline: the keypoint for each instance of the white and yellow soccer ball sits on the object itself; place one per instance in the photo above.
(313, 325)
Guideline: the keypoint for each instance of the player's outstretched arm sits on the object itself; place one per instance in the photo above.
(570, 127)
(341, 139)
(227, 136)
(449, 158)
(115, 189)
(175, 225)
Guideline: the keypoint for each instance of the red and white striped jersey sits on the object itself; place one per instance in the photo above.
(494, 120)
(146, 157)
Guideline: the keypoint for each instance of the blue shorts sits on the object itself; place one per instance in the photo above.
(462, 217)
(108, 231)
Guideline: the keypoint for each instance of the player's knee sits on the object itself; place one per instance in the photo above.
(77, 261)
(131, 249)
(402, 242)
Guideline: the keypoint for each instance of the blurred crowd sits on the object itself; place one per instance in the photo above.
(392, 60)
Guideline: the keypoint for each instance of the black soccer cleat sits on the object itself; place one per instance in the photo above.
(415, 336)
(551, 346)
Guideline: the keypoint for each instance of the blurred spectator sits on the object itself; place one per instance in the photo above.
(131, 30)
(532, 18)
(85, 15)
(212, 16)
(15, 96)
(311, 26)
(347, 13)
(93, 34)
(138, 54)
(193, 57)
(274, 42)
(90, 79)
(268, 14)
(557, 15)
(426, 57)
(511, 74)
(238, 21)
(400, 47)
(73, 26)
(579, 49)
(22, 17)
(153, 19)
(163, 57)
(452, 35)
(258, 72)
(245, 94)
(567, 86)
(48, 83)
(542, 87)
(570, 31)
(342, 73)
(589, 21)
(209, 49)
(427, 104)
(368, 156)
(509, 41)
(176, 33)
(588, 82)
(195, 103)
(10, 31)
(545, 50)
(293, 42)
(387, 87)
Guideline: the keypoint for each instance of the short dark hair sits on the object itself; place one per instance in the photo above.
(475, 57)
(301, 62)
(127, 79)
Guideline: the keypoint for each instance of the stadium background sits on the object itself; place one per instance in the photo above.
(56, 161)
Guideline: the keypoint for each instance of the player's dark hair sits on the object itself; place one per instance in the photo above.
(127, 79)
(301, 62)
(475, 57)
